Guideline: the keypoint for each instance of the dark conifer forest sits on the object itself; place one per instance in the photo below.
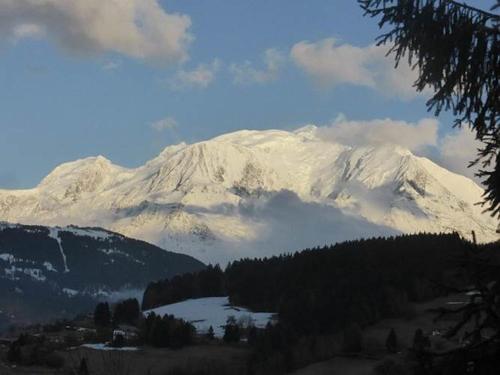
(323, 289)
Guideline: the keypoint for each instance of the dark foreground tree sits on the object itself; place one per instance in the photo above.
(455, 48)
(127, 311)
(352, 339)
(232, 332)
(102, 315)
(210, 333)
(166, 331)
(391, 343)
(420, 342)
(83, 369)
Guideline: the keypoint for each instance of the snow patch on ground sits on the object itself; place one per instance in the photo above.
(121, 253)
(49, 267)
(7, 257)
(54, 233)
(6, 225)
(10, 273)
(107, 348)
(211, 311)
(34, 273)
(87, 232)
(70, 292)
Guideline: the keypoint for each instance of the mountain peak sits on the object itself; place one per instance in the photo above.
(172, 149)
(70, 180)
(79, 164)
(308, 131)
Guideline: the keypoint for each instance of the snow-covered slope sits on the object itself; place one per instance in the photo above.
(256, 193)
(213, 312)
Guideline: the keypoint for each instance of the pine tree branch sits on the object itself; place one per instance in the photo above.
(474, 9)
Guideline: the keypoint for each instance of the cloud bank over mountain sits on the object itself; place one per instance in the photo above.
(455, 150)
(413, 136)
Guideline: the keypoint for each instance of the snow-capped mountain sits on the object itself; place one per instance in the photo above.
(256, 193)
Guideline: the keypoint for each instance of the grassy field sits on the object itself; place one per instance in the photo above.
(151, 361)
(339, 366)
(147, 361)
(374, 338)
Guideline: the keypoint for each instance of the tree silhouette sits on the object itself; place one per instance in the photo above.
(127, 311)
(456, 50)
(210, 333)
(352, 339)
(102, 315)
(232, 331)
(391, 343)
(83, 369)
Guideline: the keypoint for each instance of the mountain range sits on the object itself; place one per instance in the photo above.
(257, 193)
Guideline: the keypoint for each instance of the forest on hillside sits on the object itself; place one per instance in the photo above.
(323, 289)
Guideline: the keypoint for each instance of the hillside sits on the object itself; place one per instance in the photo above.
(324, 295)
(49, 272)
(326, 288)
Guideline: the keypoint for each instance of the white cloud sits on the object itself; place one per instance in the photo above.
(413, 136)
(200, 77)
(136, 28)
(27, 30)
(167, 123)
(277, 222)
(458, 149)
(111, 65)
(284, 221)
(330, 63)
(453, 151)
(245, 73)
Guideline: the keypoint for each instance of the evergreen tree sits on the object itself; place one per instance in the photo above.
(127, 311)
(208, 282)
(232, 331)
(14, 353)
(118, 341)
(83, 369)
(456, 48)
(391, 343)
(161, 332)
(181, 333)
(421, 345)
(252, 335)
(102, 315)
(353, 339)
(419, 340)
(166, 332)
(210, 333)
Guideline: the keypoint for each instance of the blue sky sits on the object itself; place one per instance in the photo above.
(67, 95)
